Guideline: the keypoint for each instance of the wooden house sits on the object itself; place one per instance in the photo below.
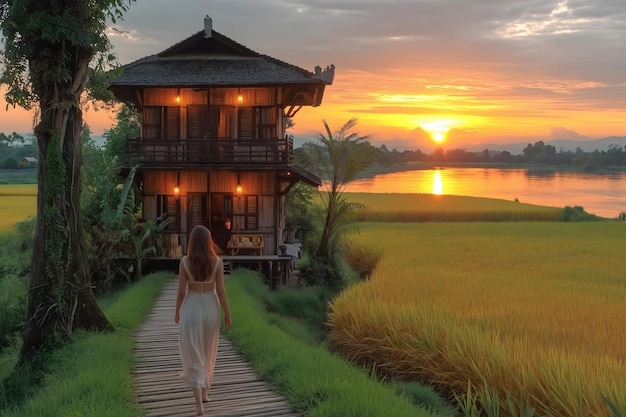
(213, 148)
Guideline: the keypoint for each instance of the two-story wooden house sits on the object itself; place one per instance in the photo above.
(213, 148)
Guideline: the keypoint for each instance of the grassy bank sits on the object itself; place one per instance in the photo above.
(90, 376)
(410, 208)
(525, 310)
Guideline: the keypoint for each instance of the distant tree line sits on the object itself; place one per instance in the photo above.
(537, 153)
(13, 148)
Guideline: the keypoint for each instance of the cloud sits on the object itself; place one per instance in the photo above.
(506, 67)
(557, 132)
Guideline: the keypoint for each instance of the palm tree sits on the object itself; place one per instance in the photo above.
(338, 158)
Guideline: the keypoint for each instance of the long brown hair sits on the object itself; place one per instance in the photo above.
(202, 253)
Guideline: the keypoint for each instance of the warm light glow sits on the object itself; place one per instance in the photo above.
(416, 108)
(437, 183)
(239, 190)
(177, 192)
(437, 129)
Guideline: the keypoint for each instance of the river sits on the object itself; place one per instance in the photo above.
(600, 194)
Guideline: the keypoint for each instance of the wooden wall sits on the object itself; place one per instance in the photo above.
(216, 96)
(260, 184)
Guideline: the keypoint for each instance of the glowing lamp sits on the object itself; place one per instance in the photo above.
(177, 192)
(239, 190)
(240, 98)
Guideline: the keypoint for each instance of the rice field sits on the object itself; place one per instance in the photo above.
(448, 208)
(17, 203)
(529, 310)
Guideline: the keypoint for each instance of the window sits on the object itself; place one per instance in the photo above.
(246, 212)
(167, 206)
(197, 121)
(161, 122)
(172, 126)
(151, 122)
(267, 118)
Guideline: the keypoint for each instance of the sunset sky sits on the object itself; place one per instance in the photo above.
(466, 71)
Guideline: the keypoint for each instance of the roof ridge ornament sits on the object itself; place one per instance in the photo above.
(327, 74)
(208, 27)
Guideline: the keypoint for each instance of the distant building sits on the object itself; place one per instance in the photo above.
(29, 160)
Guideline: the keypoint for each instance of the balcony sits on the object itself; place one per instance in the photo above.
(215, 152)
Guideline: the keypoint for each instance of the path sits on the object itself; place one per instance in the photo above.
(236, 389)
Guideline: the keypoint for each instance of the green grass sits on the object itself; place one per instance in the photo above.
(18, 176)
(91, 375)
(314, 380)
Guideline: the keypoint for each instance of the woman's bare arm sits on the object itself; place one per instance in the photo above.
(182, 289)
(221, 294)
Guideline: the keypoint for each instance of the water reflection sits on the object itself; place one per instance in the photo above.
(603, 195)
(437, 183)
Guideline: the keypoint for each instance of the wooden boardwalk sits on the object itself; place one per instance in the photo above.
(236, 389)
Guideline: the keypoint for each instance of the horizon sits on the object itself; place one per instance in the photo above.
(564, 145)
(411, 72)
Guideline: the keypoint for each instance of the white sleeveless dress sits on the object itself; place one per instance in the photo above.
(199, 332)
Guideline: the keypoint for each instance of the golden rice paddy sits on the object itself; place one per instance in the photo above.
(429, 207)
(17, 203)
(534, 310)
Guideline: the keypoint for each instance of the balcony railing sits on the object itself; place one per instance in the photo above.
(278, 151)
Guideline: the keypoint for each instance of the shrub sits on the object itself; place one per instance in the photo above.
(320, 271)
(13, 302)
(577, 214)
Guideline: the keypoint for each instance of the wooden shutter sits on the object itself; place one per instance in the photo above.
(197, 121)
(173, 122)
(152, 122)
(195, 210)
(246, 123)
(252, 212)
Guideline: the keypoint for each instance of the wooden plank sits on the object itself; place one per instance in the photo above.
(236, 390)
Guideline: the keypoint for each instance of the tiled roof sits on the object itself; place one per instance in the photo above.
(211, 71)
(213, 61)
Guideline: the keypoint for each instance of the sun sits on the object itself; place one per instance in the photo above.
(437, 129)
(439, 136)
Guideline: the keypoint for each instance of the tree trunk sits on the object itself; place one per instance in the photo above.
(324, 248)
(60, 297)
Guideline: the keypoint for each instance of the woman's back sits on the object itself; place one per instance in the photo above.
(201, 285)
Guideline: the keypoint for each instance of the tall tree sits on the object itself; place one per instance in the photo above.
(338, 158)
(48, 49)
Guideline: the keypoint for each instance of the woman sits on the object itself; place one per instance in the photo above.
(200, 294)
